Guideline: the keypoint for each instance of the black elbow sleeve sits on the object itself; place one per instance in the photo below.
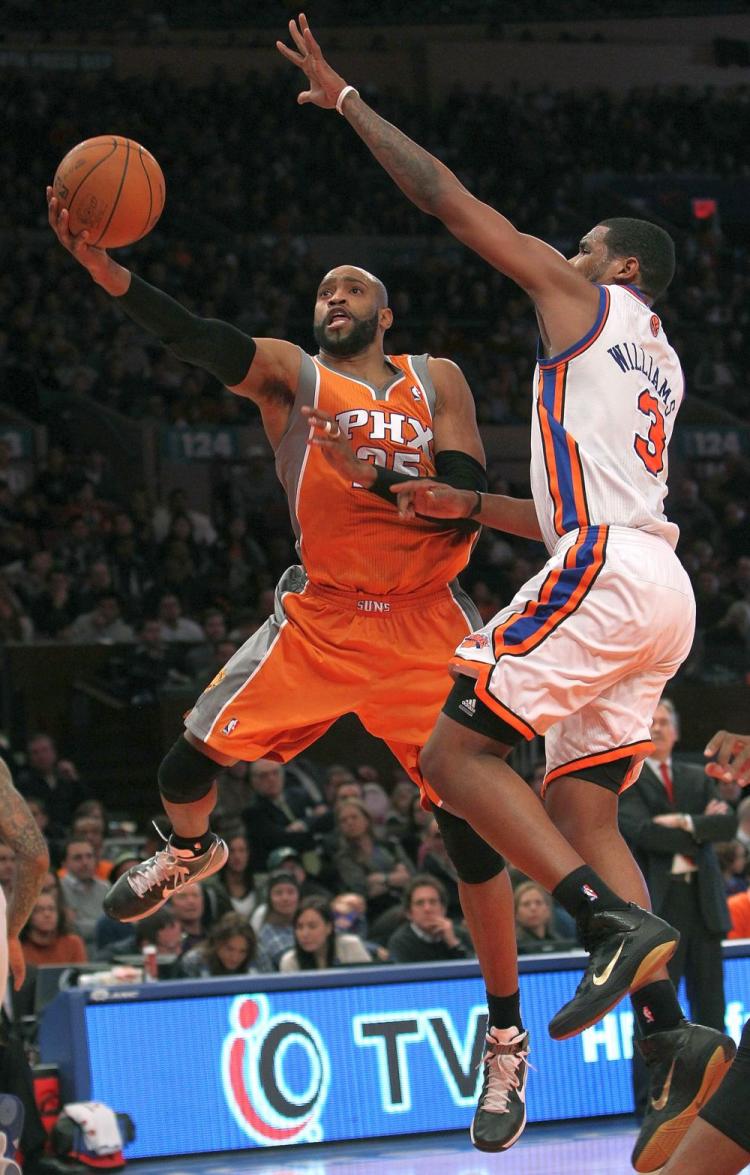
(463, 472)
(216, 346)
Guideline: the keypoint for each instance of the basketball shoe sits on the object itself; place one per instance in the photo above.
(146, 887)
(501, 1111)
(686, 1066)
(626, 947)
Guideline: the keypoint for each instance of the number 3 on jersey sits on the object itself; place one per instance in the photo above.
(651, 448)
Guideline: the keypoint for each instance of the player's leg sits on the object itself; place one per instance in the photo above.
(487, 904)
(685, 1062)
(242, 714)
(719, 1139)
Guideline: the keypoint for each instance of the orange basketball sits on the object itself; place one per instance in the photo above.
(113, 188)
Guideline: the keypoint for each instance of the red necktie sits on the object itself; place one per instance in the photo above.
(667, 781)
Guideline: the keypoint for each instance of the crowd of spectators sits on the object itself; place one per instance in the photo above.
(83, 561)
(324, 869)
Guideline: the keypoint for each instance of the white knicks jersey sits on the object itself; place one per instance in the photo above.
(603, 416)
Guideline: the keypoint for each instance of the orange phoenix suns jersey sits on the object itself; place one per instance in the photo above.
(348, 537)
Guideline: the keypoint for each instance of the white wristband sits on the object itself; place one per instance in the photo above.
(346, 90)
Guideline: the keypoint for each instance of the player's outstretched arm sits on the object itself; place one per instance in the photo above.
(261, 369)
(432, 186)
(19, 830)
(437, 500)
(730, 757)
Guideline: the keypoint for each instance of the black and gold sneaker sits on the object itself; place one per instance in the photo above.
(686, 1065)
(626, 947)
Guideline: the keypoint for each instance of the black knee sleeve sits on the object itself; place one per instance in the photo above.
(185, 775)
(726, 1111)
(475, 861)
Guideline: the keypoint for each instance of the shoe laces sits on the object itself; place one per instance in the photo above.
(502, 1061)
(158, 871)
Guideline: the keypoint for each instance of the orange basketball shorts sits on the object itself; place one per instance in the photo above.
(325, 653)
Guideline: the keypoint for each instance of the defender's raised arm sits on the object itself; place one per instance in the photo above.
(534, 265)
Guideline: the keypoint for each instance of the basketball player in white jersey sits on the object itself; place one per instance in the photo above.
(583, 651)
(18, 830)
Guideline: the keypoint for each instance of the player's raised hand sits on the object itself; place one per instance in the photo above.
(433, 498)
(730, 755)
(95, 260)
(325, 83)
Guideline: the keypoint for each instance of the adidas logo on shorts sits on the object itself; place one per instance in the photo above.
(469, 706)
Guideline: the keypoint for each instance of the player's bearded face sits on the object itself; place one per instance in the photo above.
(350, 339)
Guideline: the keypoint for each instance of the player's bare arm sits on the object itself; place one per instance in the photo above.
(498, 511)
(19, 830)
(730, 757)
(270, 377)
(566, 302)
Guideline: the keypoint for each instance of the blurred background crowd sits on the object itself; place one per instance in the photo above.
(330, 862)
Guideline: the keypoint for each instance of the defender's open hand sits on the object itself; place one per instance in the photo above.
(325, 83)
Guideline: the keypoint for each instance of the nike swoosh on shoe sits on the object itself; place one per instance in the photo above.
(604, 975)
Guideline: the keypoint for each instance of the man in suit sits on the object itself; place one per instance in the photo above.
(670, 817)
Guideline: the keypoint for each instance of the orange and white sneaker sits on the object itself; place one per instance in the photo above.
(146, 887)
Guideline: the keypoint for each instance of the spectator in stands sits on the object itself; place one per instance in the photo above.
(291, 861)
(317, 943)
(432, 858)
(237, 878)
(727, 644)
(739, 913)
(377, 869)
(46, 938)
(274, 923)
(153, 664)
(56, 782)
(535, 929)
(733, 860)
(202, 527)
(235, 793)
(104, 625)
(189, 906)
(200, 660)
(428, 935)
(231, 948)
(175, 626)
(398, 821)
(55, 609)
(83, 891)
(89, 826)
(743, 822)
(274, 818)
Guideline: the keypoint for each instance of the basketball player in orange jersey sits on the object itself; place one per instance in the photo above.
(583, 651)
(366, 624)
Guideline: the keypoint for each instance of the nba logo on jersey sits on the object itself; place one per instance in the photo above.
(655, 325)
(230, 726)
(416, 393)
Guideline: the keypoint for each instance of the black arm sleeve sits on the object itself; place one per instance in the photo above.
(216, 346)
(453, 467)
